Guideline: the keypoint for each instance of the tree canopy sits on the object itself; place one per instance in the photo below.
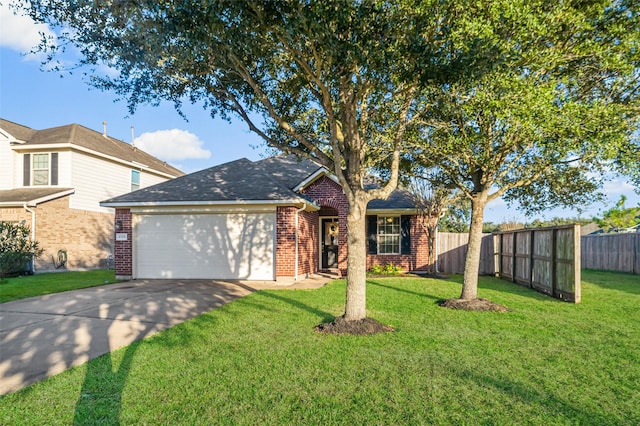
(556, 109)
(619, 217)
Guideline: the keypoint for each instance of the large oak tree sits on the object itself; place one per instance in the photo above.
(335, 81)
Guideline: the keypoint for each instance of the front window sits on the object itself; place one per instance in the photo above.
(40, 169)
(388, 234)
(135, 180)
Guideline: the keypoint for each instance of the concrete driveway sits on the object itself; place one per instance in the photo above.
(43, 336)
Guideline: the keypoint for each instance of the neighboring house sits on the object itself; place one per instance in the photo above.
(274, 219)
(54, 179)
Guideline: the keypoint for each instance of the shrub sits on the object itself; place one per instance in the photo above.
(388, 269)
(16, 248)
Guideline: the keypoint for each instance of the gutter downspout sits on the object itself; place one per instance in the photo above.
(33, 234)
(304, 206)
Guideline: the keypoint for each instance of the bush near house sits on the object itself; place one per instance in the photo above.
(16, 248)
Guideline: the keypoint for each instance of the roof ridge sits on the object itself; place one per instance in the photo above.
(72, 134)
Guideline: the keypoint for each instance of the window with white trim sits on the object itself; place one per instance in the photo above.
(388, 234)
(135, 180)
(40, 169)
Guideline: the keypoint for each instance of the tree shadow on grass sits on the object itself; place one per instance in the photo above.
(570, 412)
(100, 400)
(324, 316)
(402, 290)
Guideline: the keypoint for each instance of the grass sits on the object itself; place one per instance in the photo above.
(258, 361)
(54, 282)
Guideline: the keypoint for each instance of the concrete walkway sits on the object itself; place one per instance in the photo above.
(43, 336)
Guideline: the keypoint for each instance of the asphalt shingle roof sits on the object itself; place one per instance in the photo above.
(290, 170)
(271, 179)
(20, 196)
(240, 180)
(81, 136)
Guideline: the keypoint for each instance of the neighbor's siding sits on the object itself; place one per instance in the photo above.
(6, 164)
(96, 179)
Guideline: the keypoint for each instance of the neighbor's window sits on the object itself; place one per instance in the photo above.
(388, 234)
(135, 180)
(40, 169)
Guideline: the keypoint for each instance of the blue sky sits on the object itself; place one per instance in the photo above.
(41, 99)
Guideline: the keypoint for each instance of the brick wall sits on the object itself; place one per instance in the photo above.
(123, 250)
(308, 243)
(86, 236)
(285, 241)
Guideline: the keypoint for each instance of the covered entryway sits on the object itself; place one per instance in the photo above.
(329, 242)
(214, 246)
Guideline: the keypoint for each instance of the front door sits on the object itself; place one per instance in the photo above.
(329, 243)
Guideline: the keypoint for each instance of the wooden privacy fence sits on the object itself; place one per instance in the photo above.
(451, 249)
(545, 259)
(612, 252)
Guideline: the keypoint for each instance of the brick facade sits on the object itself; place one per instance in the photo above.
(286, 242)
(87, 237)
(329, 196)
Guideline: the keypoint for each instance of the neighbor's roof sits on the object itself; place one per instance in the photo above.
(80, 136)
(18, 131)
(31, 196)
(240, 181)
(243, 182)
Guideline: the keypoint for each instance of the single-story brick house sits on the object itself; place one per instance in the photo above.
(274, 219)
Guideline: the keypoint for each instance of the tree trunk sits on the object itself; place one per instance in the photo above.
(356, 304)
(472, 263)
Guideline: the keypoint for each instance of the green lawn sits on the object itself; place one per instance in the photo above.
(258, 361)
(53, 282)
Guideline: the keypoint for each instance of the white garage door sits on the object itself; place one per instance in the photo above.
(221, 246)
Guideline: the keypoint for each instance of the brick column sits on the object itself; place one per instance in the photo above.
(123, 249)
(285, 242)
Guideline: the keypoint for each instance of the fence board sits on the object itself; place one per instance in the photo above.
(451, 250)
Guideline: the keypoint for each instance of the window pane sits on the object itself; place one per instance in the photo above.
(40, 169)
(40, 177)
(135, 180)
(388, 234)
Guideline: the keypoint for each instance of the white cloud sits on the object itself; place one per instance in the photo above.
(20, 33)
(174, 144)
(617, 186)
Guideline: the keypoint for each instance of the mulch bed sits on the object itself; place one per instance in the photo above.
(473, 305)
(359, 327)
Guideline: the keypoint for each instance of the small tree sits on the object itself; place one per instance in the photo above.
(619, 217)
(431, 204)
(16, 248)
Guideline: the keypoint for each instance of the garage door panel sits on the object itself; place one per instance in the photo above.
(231, 246)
